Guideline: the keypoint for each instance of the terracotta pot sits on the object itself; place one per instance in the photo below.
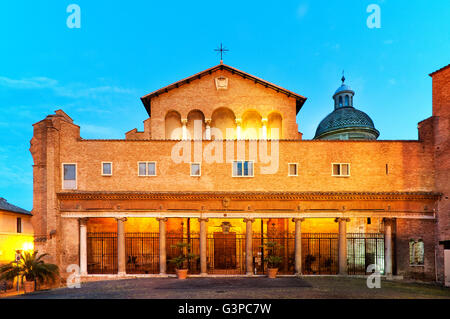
(181, 273)
(272, 272)
(28, 286)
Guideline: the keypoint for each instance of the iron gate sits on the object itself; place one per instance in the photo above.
(102, 253)
(142, 253)
(364, 250)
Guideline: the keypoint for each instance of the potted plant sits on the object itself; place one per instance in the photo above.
(32, 268)
(180, 261)
(309, 259)
(273, 259)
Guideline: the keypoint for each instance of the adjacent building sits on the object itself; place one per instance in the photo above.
(221, 165)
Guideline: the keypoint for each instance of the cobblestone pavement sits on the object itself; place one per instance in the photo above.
(246, 288)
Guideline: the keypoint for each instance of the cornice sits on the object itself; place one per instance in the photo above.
(248, 195)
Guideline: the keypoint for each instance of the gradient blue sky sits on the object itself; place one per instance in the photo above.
(126, 49)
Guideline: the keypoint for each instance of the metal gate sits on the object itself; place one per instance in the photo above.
(142, 253)
(225, 253)
(320, 253)
(102, 253)
(193, 239)
(364, 250)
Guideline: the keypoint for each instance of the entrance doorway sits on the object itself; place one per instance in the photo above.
(225, 250)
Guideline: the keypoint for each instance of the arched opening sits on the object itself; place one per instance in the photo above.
(275, 126)
(347, 101)
(340, 101)
(251, 125)
(223, 121)
(195, 125)
(173, 128)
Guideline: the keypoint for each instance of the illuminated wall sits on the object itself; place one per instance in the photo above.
(10, 240)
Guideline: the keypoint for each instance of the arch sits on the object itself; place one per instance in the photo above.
(340, 100)
(193, 116)
(275, 121)
(223, 120)
(172, 122)
(347, 100)
(251, 125)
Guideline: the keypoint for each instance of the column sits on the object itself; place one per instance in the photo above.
(298, 245)
(203, 268)
(264, 129)
(162, 245)
(388, 247)
(238, 129)
(342, 245)
(121, 263)
(83, 246)
(208, 129)
(249, 246)
(184, 129)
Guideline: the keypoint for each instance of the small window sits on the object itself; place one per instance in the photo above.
(147, 168)
(347, 101)
(340, 101)
(292, 169)
(195, 169)
(341, 169)
(19, 224)
(69, 176)
(416, 252)
(106, 168)
(242, 169)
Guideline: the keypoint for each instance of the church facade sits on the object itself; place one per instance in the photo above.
(221, 166)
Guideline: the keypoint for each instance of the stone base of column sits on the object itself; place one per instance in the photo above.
(249, 274)
(204, 274)
(121, 274)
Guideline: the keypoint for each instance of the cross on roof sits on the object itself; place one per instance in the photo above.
(222, 50)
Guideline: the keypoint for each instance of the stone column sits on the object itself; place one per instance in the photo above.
(388, 247)
(203, 233)
(121, 262)
(238, 129)
(298, 245)
(264, 129)
(249, 246)
(184, 129)
(207, 129)
(162, 246)
(83, 246)
(342, 245)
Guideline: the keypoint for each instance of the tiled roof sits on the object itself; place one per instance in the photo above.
(441, 69)
(4, 205)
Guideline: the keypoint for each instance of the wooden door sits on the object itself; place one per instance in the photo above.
(224, 250)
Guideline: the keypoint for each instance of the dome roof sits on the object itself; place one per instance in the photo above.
(345, 117)
(342, 88)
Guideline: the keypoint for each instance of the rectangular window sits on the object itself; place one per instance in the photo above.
(292, 169)
(242, 169)
(416, 252)
(147, 168)
(195, 169)
(69, 176)
(19, 224)
(106, 168)
(341, 169)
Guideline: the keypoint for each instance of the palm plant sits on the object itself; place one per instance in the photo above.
(273, 259)
(31, 267)
(181, 259)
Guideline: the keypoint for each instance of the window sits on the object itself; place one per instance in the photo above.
(195, 169)
(147, 168)
(19, 224)
(340, 101)
(346, 100)
(341, 169)
(106, 168)
(69, 176)
(292, 169)
(416, 252)
(242, 169)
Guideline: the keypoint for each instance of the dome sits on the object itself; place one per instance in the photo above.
(344, 118)
(343, 88)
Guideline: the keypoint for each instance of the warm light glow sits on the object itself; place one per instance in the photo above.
(9, 243)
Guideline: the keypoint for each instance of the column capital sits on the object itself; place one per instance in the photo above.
(202, 219)
(122, 219)
(249, 220)
(341, 219)
(161, 219)
(388, 221)
(297, 219)
(83, 221)
(208, 121)
(184, 121)
(238, 121)
(264, 120)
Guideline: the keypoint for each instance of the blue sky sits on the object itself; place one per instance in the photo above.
(125, 49)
